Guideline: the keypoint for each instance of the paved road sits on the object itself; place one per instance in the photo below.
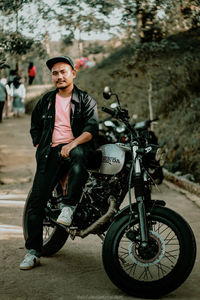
(76, 272)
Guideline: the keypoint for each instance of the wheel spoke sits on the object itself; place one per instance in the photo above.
(145, 273)
(155, 262)
(170, 257)
(130, 268)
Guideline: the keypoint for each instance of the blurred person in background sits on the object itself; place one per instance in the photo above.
(3, 99)
(7, 103)
(31, 72)
(11, 76)
(18, 93)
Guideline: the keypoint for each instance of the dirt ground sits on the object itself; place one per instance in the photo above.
(76, 271)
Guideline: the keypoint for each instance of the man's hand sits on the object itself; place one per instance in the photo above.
(83, 138)
(65, 151)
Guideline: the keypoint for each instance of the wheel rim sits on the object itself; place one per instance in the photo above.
(157, 260)
(48, 228)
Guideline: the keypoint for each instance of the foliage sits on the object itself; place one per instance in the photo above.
(103, 7)
(7, 7)
(75, 17)
(93, 48)
(67, 40)
(15, 43)
(142, 20)
(174, 64)
(12, 41)
(139, 21)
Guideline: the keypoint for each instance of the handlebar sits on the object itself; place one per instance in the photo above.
(109, 111)
(143, 124)
(154, 120)
(121, 114)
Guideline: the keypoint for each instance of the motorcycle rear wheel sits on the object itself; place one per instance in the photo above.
(54, 238)
(163, 268)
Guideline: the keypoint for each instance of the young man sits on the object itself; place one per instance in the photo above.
(64, 121)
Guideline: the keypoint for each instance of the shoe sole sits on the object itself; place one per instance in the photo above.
(63, 222)
(29, 267)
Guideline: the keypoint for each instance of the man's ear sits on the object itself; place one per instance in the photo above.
(74, 73)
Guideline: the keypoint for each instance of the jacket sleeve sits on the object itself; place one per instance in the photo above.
(90, 113)
(36, 123)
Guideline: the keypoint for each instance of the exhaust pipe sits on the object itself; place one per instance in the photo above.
(101, 221)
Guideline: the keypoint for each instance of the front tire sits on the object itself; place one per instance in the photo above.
(159, 269)
(54, 238)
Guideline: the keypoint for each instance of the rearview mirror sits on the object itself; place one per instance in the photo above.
(107, 92)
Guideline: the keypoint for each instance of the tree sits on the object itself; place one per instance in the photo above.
(142, 20)
(147, 21)
(83, 16)
(13, 42)
(12, 8)
(181, 15)
(142, 16)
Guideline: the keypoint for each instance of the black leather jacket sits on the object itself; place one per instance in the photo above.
(83, 117)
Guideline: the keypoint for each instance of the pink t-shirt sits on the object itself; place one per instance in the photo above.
(62, 132)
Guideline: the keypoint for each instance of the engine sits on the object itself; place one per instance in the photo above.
(94, 203)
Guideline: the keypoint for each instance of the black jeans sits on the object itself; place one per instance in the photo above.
(44, 183)
(31, 78)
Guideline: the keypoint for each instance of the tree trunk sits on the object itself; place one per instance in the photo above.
(150, 98)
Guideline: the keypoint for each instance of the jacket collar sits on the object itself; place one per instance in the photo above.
(75, 95)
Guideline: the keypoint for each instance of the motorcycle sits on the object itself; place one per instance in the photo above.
(115, 132)
(148, 249)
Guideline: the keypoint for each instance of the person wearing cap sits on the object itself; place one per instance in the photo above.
(64, 122)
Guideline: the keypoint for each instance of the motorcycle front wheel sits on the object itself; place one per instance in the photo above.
(54, 237)
(159, 268)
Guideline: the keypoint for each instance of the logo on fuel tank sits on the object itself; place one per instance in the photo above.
(110, 160)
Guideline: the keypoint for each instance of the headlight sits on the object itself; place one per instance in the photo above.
(160, 156)
(162, 159)
(155, 156)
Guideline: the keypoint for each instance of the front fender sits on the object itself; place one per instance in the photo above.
(126, 209)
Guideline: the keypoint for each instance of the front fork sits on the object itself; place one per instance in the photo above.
(142, 217)
(140, 199)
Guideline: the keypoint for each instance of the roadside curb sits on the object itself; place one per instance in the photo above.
(190, 189)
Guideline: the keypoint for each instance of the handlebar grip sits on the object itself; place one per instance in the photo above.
(154, 120)
(108, 111)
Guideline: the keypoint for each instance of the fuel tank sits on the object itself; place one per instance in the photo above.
(113, 158)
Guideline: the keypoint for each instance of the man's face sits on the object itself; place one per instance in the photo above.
(62, 75)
